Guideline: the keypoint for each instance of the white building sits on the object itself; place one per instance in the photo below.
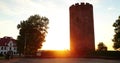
(8, 44)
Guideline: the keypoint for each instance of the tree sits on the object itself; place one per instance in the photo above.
(101, 47)
(116, 39)
(32, 33)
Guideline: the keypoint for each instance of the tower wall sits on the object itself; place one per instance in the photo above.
(81, 28)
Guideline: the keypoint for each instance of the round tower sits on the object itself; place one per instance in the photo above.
(81, 28)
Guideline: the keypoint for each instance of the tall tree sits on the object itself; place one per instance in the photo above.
(102, 47)
(116, 38)
(32, 33)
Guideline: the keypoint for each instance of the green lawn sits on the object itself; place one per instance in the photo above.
(2, 57)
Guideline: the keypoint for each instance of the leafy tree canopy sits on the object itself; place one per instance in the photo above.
(102, 47)
(116, 38)
(32, 33)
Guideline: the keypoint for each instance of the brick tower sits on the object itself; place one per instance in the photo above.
(81, 28)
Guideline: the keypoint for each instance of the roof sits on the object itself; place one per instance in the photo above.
(5, 40)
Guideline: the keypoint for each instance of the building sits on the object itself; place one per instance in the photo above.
(8, 44)
(81, 28)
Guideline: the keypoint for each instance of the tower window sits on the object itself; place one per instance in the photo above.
(10, 48)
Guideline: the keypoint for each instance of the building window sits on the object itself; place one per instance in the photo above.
(1, 53)
(4, 48)
(10, 48)
(1, 48)
(14, 52)
(4, 52)
(10, 44)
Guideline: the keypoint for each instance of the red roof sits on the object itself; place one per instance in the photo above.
(5, 40)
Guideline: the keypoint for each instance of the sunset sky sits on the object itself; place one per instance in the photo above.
(57, 11)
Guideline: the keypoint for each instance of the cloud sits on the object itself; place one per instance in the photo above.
(8, 28)
(4, 8)
(111, 8)
(22, 9)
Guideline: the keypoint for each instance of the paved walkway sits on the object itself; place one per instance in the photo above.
(15, 60)
(58, 60)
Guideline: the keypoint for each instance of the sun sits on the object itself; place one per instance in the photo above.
(57, 39)
(56, 43)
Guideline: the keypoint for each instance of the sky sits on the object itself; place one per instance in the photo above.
(57, 11)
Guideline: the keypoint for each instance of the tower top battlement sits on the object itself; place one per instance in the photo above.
(81, 4)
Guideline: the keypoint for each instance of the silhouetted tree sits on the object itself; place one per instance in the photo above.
(116, 38)
(101, 47)
(32, 34)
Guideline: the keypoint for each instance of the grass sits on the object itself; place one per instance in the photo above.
(2, 57)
